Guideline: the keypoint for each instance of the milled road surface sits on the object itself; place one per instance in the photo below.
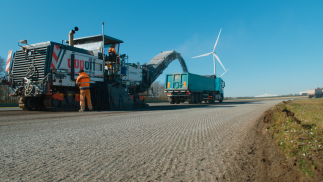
(162, 143)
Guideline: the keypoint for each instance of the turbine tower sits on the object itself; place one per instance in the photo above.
(214, 55)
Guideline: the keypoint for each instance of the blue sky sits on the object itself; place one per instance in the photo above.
(268, 46)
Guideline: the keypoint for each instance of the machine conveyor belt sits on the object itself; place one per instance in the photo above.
(159, 63)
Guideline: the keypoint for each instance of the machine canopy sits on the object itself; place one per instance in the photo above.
(94, 42)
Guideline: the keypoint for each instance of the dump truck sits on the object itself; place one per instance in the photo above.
(181, 87)
(43, 74)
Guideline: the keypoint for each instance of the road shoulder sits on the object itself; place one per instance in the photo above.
(260, 159)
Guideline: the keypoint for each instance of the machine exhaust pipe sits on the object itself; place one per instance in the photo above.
(71, 36)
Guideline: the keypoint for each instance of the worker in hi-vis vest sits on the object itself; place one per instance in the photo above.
(113, 54)
(83, 81)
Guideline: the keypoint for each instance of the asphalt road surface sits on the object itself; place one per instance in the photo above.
(161, 143)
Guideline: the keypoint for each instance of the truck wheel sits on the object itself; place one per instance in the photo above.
(192, 100)
(177, 102)
(200, 96)
(221, 98)
(197, 98)
(171, 100)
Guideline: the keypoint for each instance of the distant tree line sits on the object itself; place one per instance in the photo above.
(156, 92)
(4, 94)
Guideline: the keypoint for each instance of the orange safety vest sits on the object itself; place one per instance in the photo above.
(112, 49)
(83, 80)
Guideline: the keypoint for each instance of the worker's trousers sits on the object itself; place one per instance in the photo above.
(85, 93)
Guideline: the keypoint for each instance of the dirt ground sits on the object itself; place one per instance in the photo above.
(261, 160)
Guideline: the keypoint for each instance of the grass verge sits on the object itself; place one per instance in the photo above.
(297, 128)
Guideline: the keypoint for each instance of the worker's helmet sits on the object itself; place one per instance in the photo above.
(81, 71)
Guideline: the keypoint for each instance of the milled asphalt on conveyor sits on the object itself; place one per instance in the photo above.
(163, 142)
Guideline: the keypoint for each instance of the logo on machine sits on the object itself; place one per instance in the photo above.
(80, 64)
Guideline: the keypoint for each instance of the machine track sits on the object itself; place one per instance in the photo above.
(49, 104)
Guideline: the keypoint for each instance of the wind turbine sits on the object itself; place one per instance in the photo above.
(214, 55)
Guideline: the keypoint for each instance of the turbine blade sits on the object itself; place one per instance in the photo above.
(214, 64)
(217, 40)
(203, 55)
(219, 60)
(224, 72)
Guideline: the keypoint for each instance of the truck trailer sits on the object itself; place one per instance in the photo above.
(43, 74)
(181, 87)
